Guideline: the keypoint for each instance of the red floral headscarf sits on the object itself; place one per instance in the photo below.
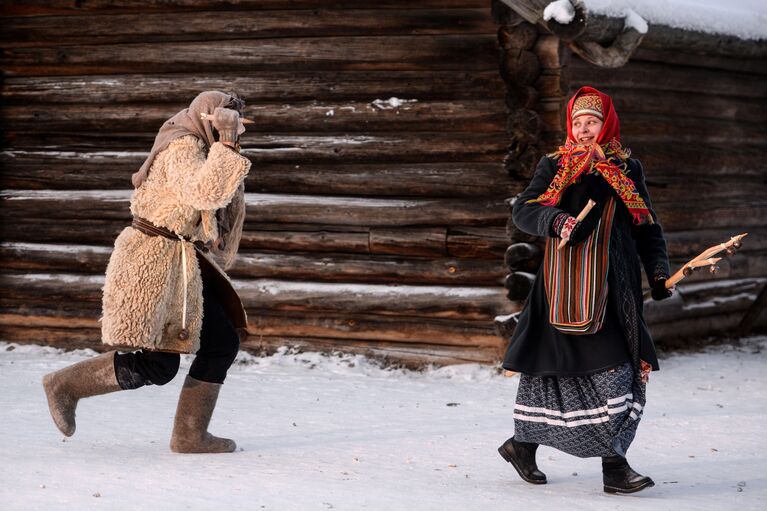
(605, 157)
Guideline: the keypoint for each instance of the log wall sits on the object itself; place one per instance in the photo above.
(695, 116)
(373, 225)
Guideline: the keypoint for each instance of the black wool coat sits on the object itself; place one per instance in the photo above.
(539, 349)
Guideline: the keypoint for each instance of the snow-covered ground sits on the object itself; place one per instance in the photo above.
(340, 433)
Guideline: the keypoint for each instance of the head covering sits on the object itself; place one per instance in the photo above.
(587, 104)
(189, 122)
(605, 156)
(589, 98)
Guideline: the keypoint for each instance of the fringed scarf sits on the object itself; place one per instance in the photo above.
(605, 157)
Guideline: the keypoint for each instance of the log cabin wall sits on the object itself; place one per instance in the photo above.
(695, 114)
(375, 204)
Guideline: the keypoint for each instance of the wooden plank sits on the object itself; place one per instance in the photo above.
(466, 115)
(446, 52)
(148, 26)
(262, 86)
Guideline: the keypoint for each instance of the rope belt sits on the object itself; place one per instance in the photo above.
(145, 226)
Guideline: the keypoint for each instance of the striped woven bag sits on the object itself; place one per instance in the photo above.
(575, 279)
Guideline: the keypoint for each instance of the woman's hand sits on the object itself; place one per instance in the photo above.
(659, 291)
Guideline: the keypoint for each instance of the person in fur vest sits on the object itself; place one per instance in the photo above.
(163, 294)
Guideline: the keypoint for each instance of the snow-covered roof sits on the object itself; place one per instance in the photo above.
(746, 19)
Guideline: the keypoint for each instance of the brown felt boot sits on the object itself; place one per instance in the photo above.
(65, 387)
(190, 428)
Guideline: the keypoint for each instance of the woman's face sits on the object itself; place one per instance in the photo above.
(585, 129)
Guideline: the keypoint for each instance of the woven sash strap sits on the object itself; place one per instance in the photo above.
(575, 279)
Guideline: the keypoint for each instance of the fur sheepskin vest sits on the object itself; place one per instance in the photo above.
(143, 302)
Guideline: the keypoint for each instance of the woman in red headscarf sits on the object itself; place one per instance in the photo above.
(582, 347)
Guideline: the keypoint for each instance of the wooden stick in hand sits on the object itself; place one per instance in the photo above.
(585, 211)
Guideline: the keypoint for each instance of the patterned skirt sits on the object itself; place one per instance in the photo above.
(586, 416)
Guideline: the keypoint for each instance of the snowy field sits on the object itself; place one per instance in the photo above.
(339, 433)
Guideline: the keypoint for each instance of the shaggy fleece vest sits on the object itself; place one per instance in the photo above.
(144, 287)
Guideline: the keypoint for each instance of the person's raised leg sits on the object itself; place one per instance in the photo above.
(105, 373)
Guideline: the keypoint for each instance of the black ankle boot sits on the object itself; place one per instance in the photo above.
(619, 477)
(521, 455)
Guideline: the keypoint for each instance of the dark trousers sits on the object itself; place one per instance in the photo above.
(219, 344)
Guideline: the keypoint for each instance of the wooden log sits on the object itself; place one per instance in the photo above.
(413, 356)
(696, 333)
(301, 149)
(361, 327)
(72, 7)
(669, 188)
(518, 37)
(316, 267)
(505, 325)
(375, 328)
(668, 129)
(518, 66)
(520, 163)
(552, 52)
(519, 284)
(502, 14)
(457, 52)
(751, 317)
(147, 26)
(471, 303)
(524, 257)
(659, 76)
(89, 170)
(316, 240)
(532, 11)
(691, 105)
(256, 87)
(467, 115)
(63, 292)
(551, 111)
(714, 62)
(553, 84)
(699, 299)
(416, 241)
(662, 160)
(525, 125)
(113, 204)
(477, 243)
(520, 96)
(685, 46)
